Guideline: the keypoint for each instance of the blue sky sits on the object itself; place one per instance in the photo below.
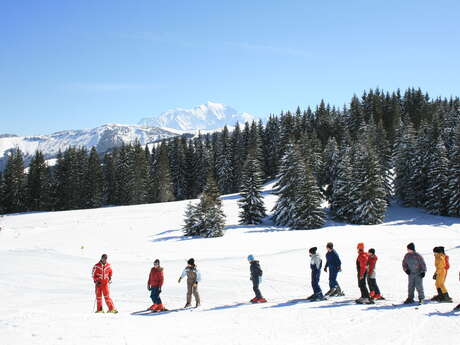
(79, 64)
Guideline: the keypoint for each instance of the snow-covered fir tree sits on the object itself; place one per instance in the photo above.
(252, 209)
(207, 218)
(368, 195)
(14, 191)
(94, 181)
(308, 213)
(342, 182)
(454, 176)
(39, 184)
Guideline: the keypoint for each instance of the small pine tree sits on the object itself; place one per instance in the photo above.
(193, 223)
(14, 199)
(251, 203)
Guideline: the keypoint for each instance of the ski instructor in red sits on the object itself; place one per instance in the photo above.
(102, 277)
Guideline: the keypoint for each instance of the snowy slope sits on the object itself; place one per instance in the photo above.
(48, 295)
(103, 138)
(207, 116)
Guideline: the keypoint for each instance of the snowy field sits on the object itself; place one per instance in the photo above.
(47, 294)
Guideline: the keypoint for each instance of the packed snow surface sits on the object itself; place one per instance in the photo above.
(47, 294)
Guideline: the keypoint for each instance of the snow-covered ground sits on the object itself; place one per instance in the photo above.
(47, 294)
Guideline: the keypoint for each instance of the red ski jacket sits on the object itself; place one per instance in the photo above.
(156, 277)
(361, 264)
(372, 260)
(102, 273)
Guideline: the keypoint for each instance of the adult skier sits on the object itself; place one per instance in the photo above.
(256, 278)
(415, 268)
(441, 263)
(371, 280)
(102, 277)
(361, 266)
(333, 264)
(193, 278)
(315, 266)
(154, 285)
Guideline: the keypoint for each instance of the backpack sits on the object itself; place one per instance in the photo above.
(447, 262)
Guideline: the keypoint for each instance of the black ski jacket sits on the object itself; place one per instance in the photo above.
(256, 271)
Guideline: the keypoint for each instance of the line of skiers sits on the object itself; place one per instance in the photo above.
(413, 265)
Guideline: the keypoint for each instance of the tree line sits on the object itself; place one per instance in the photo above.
(357, 158)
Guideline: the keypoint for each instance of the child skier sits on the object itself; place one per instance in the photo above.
(361, 266)
(102, 277)
(371, 280)
(334, 264)
(193, 278)
(441, 263)
(256, 278)
(154, 285)
(415, 268)
(315, 265)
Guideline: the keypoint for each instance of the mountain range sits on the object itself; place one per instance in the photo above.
(206, 117)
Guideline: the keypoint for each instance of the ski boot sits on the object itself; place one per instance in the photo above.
(421, 301)
(318, 297)
(378, 297)
(331, 292)
(445, 298)
(187, 305)
(338, 292)
(261, 300)
(153, 307)
(409, 301)
(113, 311)
(311, 297)
(364, 300)
(101, 311)
(160, 307)
(437, 298)
(254, 300)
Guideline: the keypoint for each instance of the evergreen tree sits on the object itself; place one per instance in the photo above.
(193, 220)
(224, 169)
(140, 173)
(2, 188)
(109, 185)
(308, 213)
(252, 209)
(437, 193)
(38, 184)
(368, 196)
(454, 177)
(124, 175)
(14, 192)
(162, 183)
(342, 181)
(286, 188)
(94, 181)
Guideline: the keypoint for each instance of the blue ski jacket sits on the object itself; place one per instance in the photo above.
(333, 261)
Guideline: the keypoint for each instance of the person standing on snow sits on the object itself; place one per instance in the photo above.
(371, 280)
(441, 263)
(361, 266)
(334, 264)
(193, 278)
(154, 285)
(315, 265)
(102, 277)
(415, 268)
(256, 278)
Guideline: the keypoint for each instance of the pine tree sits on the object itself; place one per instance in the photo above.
(193, 221)
(94, 181)
(38, 187)
(286, 188)
(341, 187)
(162, 182)
(109, 185)
(437, 193)
(308, 213)
(252, 209)
(2, 189)
(14, 183)
(140, 174)
(224, 169)
(368, 196)
(454, 177)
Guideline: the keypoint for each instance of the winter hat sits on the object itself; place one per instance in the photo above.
(156, 261)
(441, 250)
(250, 257)
(329, 245)
(312, 250)
(191, 261)
(372, 251)
(438, 250)
(411, 246)
(360, 246)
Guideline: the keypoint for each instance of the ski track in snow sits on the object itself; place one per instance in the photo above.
(48, 295)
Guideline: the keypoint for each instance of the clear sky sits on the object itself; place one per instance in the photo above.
(79, 64)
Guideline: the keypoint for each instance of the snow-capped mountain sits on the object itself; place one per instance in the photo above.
(206, 116)
(103, 138)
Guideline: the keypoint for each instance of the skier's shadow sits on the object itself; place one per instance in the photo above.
(392, 307)
(337, 304)
(289, 303)
(438, 313)
(229, 306)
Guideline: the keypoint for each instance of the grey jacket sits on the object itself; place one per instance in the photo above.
(413, 263)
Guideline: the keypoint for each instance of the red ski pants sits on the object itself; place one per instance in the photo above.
(103, 289)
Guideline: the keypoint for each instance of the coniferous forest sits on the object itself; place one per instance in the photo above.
(380, 147)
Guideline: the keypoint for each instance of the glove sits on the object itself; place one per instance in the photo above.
(159, 290)
(422, 275)
(361, 277)
(178, 280)
(98, 283)
(325, 269)
(195, 284)
(407, 272)
(149, 288)
(435, 276)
